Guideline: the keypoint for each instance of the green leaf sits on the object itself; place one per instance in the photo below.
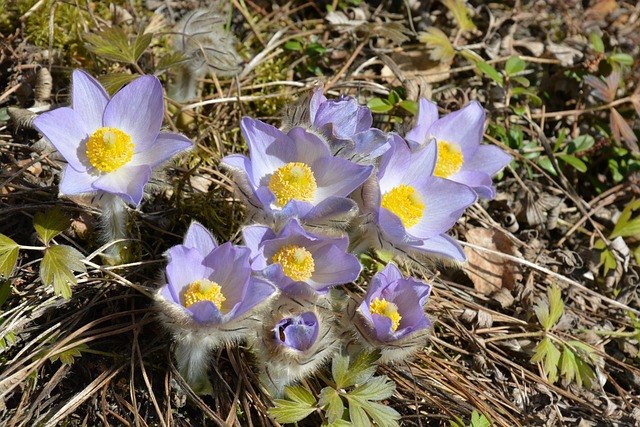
(68, 357)
(140, 44)
(111, 44)
(113, 82)
(479, 420)
(57, 266)
(358, 372)
(547, 353)
(357, 415)
(573, 161)
(514, 65)
(377, 388)
(596, 42)
(490, 71)
(546, 164)
(290, 412)
(299, 394)
(410, 106)
(171, 60)
(379, 105)
(50, 223)
(332, 403)
(8, 255)
(393, 97)
(383, 415)
(581, 143)
(560, 140)
(293, 45)
(521, 80)
(627, 227)
(568, 366)
(339, 423)
(621, 58)
(535, 99)
(556, 305)
(315, 49)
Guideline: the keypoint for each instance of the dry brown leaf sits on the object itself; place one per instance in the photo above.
(489, 272)
(601, 9)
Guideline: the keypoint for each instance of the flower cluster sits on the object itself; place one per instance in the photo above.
(319, 194)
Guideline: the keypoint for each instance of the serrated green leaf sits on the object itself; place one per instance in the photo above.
(332, 403)
(596, 42)
(140, 44)
(541, 311)
(8, 255)
(113, 82)
(514, 65)
(68, 357)
(568, 366)
(111, 44)
(287, 411)
(171, 60)
(339, 423)
(357, 415)
(556, 305)
(547, 353)
(377, 388)
(56, 267)
(379, 105)
(490, 71)
(299, 394)
(5, 291)
(50, 223)
(586, 373)
(410, 106)
(346, 375)
(573, 161)
(384, 416)
(625, 226)
(479, 420)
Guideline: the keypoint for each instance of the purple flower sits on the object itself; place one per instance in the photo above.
(211, 284)
(294, 175)
(298, 332)
(111, 145)
(461, 158)
(408, 208)
(347, 126)
(300, 263)
(393, 307)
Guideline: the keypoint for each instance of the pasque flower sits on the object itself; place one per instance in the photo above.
(110, 145)
(345, 125)
(458, 135)
(298, 262)
(407, 208)
(208, 298)
(295, 340)
(293, 175)
(391, 316)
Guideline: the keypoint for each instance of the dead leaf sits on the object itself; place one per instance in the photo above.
(489, 272)
(601, 9)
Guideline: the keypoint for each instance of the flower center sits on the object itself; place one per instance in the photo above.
(204, 290)
(405, 202)
(109, 148)
(449, 161)
(388, 309)
(297, 262)
(294, 180)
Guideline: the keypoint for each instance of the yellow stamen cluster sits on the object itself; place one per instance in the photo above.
(297, 262)
(204, 290)
(450, 159)
(405, 202)
(294, 180)
(109, 149)
(388, 309)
